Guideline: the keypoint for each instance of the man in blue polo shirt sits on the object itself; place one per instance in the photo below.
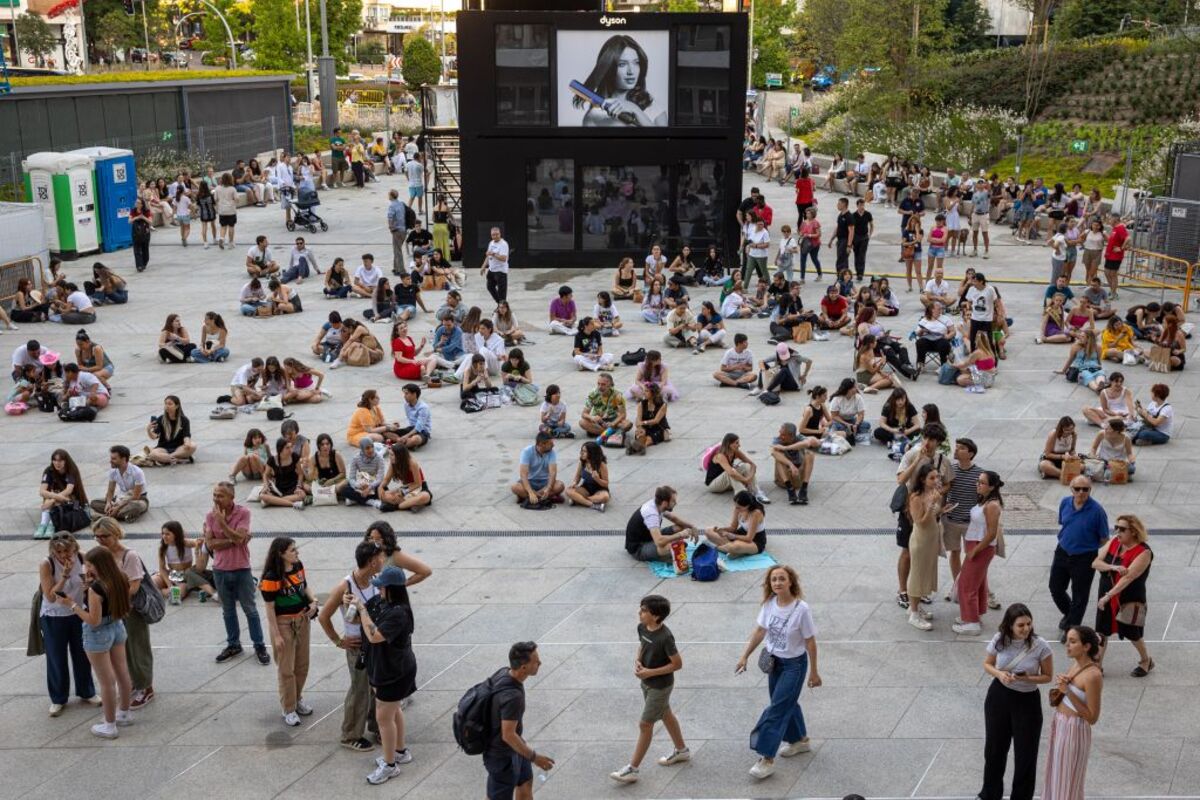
(1084, 528)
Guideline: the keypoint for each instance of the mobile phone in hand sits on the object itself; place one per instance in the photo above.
(61, 594)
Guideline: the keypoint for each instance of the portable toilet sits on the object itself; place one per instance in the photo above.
(116, 190)
(63, 185)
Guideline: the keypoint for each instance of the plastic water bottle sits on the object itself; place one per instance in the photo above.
(976, 386)
(176, 596)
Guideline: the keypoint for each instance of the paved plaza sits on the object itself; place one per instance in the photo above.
(901, 711)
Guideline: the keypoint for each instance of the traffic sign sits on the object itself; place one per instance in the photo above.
(1079, 146)
(774, 79)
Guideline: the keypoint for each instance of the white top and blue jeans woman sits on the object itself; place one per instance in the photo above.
(787, 630)
(62, 636)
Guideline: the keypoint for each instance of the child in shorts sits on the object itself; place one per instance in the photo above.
(656, 663)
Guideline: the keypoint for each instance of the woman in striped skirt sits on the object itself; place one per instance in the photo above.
(1078, 693)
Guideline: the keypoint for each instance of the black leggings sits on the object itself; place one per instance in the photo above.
(783, 382)
(1012, 717)
(32, 314)
(927, 346)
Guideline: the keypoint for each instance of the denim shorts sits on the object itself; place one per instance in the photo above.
(184, 219)
(104, 637)
(937, 251)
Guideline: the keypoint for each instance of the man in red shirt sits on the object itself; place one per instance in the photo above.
(1114, 252)
(764, 211)
(835, 310)
(227, 537)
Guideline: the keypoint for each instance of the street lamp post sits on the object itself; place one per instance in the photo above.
(308, 65)
(83, 37)
(327, 78)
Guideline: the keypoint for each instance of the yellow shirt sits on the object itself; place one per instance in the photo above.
(360, 420)
(1119, 341)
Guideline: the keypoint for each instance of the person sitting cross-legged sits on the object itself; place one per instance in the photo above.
(537, 485)
(364, 476)
(737, 365)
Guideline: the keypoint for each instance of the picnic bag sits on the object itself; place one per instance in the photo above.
(1072, 468)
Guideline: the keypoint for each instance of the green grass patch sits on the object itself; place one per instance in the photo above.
(309, 138)
(1061, 169)
(145, 77)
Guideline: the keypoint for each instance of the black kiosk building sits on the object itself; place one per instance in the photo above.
(586, 137)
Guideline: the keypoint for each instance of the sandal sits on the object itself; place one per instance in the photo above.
(1140, 672)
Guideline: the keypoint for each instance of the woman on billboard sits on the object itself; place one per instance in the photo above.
(616, 88)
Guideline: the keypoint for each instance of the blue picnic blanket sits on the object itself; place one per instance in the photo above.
(763, 560)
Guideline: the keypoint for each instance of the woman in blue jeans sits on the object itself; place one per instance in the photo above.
(1158, 418)
(785, 623)
(62, 631)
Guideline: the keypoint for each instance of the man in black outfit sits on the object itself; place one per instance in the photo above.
(845, 221)
(508, 759)
(864, 228)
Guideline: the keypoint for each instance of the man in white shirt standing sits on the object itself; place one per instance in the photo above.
(126, 498)
(758, 245)
(414, 170)
(495, 266)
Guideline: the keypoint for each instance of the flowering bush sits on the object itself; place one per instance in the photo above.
(965, 138)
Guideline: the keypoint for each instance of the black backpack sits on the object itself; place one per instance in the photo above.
(769, 398)
(472, 722)
(634, 357)
(81, 414)
(410, 217)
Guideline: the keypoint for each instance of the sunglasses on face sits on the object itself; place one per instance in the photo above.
(1120, 528)
(1082, 489)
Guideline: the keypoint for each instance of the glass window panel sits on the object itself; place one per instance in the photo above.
(522, 75)
(700, 204)
(702, 75)
(625, 208)
(550, 199)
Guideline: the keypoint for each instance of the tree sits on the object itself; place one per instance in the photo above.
(280, 44)
(422, 66)
(114, 31)
(967, 23)
(820, 24)
(775, 50)
(881, 35)
(36, 37)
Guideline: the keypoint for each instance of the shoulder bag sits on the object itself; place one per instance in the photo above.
(766, 660)
(148, 601)
(1057, 695)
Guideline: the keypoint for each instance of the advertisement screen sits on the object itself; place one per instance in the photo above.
(613, 80)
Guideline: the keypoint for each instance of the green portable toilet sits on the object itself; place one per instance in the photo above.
(64, 186)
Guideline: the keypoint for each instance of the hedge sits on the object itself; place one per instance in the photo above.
(144, 77)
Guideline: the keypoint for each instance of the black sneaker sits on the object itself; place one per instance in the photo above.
(791, 493)
(228, 653)
(358, 745)
(802, 495)
(260, 651)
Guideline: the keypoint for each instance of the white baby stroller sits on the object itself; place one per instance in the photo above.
(304, 216)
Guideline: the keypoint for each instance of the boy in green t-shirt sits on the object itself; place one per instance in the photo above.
(655, 665)
(338, 163)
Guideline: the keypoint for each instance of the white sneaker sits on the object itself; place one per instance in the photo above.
(676, 757)
(349, 503)
(56, 709)
(94, 700)
(382, 774)
(298, 505)
(124, 718)
(105, 730)
(755, 392)
(303, 708)
(762, 498)
(993, 603)
(762, 769)
(625, 774)
(919, 623)
(967, 629)
(291, 719)
(790, 749)
(403, 756)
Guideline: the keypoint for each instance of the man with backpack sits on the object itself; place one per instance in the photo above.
(489, 722)
(400, 219)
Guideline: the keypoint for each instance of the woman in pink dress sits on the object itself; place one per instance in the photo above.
(1078, 692)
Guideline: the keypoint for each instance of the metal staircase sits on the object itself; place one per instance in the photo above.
(442, 147)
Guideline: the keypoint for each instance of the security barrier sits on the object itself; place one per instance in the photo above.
(1146, 269)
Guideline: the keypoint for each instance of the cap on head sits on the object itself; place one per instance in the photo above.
(391, 575)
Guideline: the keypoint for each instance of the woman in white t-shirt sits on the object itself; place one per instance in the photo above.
(785, 623)
(1018, 660)
(183, 213)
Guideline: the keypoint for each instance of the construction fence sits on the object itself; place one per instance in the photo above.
(165, 153)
